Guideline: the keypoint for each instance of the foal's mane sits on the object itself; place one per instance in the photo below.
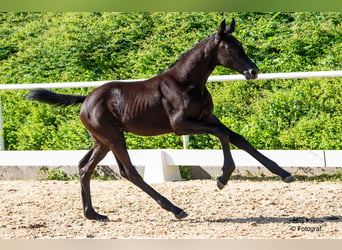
(185, 54)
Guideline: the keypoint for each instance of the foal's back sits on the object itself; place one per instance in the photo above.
(135, 107)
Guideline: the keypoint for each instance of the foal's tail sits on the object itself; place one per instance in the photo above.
(47, 96)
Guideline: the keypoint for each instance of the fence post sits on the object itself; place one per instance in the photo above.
(2, 143)
(185, 141)
(157, 170)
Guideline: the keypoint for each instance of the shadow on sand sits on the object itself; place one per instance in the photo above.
(266, 220)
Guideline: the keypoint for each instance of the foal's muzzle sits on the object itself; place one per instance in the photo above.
(251, 74)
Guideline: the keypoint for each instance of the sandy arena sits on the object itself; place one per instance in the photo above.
(244, 209)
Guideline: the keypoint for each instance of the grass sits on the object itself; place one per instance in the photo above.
(57, 174)
(336, 177)
(104, 174)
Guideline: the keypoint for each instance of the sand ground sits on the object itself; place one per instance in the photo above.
(243, 209)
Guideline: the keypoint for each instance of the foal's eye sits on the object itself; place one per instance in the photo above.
(229, 48)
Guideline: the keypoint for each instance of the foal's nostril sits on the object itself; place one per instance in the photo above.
(253, 71)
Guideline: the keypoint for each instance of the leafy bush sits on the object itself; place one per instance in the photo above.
(271, 114)
(57, 174)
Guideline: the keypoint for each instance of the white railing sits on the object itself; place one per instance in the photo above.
(161, 165)
(221, 78)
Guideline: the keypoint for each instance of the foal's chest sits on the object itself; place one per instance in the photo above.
(198, 103)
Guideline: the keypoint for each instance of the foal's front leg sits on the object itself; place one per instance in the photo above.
(228, 164)
(215, 127)
(242, 143)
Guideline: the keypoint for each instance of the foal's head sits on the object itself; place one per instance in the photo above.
(231, 53)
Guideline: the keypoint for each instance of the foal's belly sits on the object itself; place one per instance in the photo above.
(147, 127)
(152, 122)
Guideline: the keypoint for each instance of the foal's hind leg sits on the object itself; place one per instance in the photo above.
(86, 168)
(121, 168)
(117, 144)
(242, 143)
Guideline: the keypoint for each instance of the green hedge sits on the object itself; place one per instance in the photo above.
(272, 114)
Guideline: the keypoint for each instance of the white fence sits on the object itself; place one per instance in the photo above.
(222, 78)
(160, 164)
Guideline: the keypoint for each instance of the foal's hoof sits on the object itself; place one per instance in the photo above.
(220, 185)
(181, 215)
(96, 216)
(102, 218)
(289, 179)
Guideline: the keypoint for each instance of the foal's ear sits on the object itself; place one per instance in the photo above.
(231, 27)
(220, 31)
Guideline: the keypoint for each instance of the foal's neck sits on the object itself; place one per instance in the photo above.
(195, 66)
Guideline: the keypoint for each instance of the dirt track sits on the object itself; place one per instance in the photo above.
(244, 209)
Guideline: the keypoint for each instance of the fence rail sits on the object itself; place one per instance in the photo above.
(161, 165)
(221, 78)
